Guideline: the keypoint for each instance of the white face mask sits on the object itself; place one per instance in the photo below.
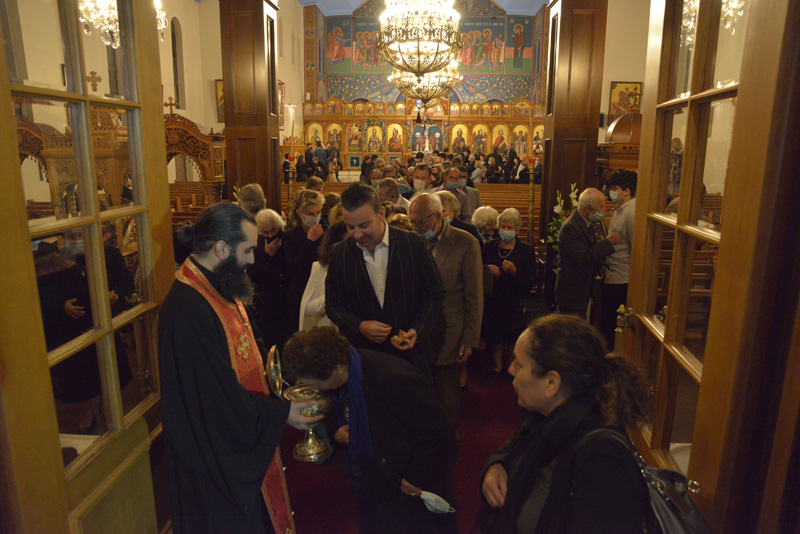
(419, 185)
(436, 504)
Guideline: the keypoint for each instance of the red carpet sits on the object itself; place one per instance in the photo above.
(320, 494)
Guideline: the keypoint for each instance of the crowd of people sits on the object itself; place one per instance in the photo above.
(380, 295)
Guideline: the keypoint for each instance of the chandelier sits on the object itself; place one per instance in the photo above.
(419, 36)
(731, 12)
(429, 87)
(102, 15)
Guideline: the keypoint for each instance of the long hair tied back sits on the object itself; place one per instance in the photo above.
(574, 349)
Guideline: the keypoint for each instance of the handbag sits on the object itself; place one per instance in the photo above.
(672, 511)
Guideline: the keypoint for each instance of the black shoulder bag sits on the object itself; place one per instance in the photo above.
(672, 510)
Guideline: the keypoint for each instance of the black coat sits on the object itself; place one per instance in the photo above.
(603, 492)
(270, 276)
(219, 438)
(580, 257)
(413, 297)
(301, 253)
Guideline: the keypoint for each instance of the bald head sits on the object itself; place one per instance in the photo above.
(590, 197)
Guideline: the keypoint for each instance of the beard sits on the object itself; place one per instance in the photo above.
(233, 282)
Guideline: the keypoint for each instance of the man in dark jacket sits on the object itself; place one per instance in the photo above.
(399, 440)
(581, 255)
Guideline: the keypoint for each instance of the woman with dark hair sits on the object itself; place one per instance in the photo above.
(492, 174)
(548, 478)
(312, 305)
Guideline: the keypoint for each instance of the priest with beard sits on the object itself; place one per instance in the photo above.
(221, 429)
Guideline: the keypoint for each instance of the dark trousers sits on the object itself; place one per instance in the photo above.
(613, 296)
(447, 386)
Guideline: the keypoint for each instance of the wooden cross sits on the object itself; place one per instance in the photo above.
(94, 79)
(170, 104)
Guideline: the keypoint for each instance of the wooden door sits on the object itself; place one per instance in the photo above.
(84, 268)
(711, 288)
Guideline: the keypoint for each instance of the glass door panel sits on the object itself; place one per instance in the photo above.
(683, 419)
(685, 59)
(34, 43)
(667, 251)
(701, 288)
(52, 173)
(675, 164)
(715, 168)
(730, 42)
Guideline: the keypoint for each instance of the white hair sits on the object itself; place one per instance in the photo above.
(268, 216)
(449, 201)
(483, 216)
(435, 201)
(510, 214)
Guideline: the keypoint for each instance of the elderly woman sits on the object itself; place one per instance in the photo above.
(542, 481)
(479, 172)
(451, 207)
(301, 243)
(485, 221)
(512, 262)
(269, 274)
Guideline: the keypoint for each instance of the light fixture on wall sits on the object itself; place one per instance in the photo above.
(419, 36)
(430, 86)
(103, 16)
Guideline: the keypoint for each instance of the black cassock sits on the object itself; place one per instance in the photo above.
(219, 437)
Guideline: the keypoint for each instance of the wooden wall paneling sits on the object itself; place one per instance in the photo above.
(575, 76)
(249, 83)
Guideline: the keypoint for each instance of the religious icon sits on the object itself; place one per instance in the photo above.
(375, 139)
(479, 134)
(499, 139)
(354, 138)
(459, 142)
(336, 46)
(395, 142)
(623, 98)
(335, 136)
(519, 140)
(314, 133)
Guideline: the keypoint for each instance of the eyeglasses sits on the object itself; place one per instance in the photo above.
(419, 223)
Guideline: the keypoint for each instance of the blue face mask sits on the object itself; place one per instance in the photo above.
(507, 235)
(375, 183)
(429, 235)
(310, 221)
(614, 196)
(597, 216)
(462, 182)
(447, 219)
(451, 186)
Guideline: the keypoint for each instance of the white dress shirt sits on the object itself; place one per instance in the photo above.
(377, 265)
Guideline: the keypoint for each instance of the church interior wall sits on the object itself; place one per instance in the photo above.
(202, 65)
(290, 65)
(626, 49)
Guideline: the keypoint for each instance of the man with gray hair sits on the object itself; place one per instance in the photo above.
(389, 191)
(458, 259)
(581, 255)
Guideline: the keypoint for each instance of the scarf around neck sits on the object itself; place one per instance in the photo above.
(351, 407)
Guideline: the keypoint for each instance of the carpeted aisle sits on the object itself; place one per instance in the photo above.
(320, 494)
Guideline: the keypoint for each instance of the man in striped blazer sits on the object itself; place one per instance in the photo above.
(382, 280)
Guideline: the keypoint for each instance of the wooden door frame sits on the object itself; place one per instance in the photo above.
(753, 300)
(36, 493)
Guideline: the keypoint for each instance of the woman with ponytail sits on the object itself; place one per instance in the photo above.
(542, 481)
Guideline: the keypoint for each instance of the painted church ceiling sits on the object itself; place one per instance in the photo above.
(373, 8)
